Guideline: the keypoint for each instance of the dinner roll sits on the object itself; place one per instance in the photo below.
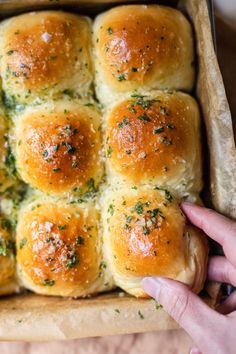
(7, 166)
(142, 47)
(45, 54)
(155, 139)
(59, 248)
(58, 147)
(8, 283)
(146, 235)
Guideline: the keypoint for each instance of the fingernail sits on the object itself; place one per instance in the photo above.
(187, 204)
(152, 286)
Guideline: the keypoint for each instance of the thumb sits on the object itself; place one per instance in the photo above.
(184, 306)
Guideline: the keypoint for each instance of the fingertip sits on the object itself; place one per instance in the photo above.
(151, 286)
(187, 207)
(195, 351)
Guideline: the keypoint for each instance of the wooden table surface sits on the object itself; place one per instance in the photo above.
(170, 342)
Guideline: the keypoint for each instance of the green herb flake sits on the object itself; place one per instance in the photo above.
(72, 261)
(134, 70)
(110, 30)
(79, 240)
(159, 130)
(164, 111)
(56, 147)
(167, 140)
(158, 306)
(103, 265)
(74, 164)
(128, 218)
(146, 231)
(61, 227)
(109, 151)
(91, 185)
(121, 77)
(144, 118)
(10, 52)
(170, 126)
(48, 282)
(22, 243)
(140, 315)
(125, 121)
(45, 153)
(110, 209)
(139, 208)
(117, 310)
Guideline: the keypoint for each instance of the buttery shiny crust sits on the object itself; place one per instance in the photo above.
(156, 139)
(58, 248)
(7, 259)
(154, 239)
(6, 180)
(58, 147)
(142, 47)
(45, 54)
(83, 229)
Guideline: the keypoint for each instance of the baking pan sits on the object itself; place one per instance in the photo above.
(30, 317)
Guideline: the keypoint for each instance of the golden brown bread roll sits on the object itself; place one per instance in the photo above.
(74, 243)
(142, 47)
(155, 139)
(58, 147)
(8, 282)
(45, 54)
(146, 235)
(59, 248)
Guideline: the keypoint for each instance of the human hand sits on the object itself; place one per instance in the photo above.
(214, 332)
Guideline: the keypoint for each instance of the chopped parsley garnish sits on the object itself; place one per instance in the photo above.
(103, 265)
(79, 240)
(72, 261)
(74, 164)
(140, 315)
(10, 52)
(48, 282)
(56, 169)
(117, 310)
(91, 185)
(10, 161)
(45, 153)
(168, 195)
(170, 126)
(167, 140)
(22, 243)
(159, 130)
(164, 111)
(70, 148)
(109, 151)
(110, 30)
(134, 70)
(121, 77)
(68, 92)
(144, 118)
(139, 208)
(158, 306)
(56, 147)
(125, 121)
(61, 227)
(110, 209)
(128, 218)
(146, 230)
